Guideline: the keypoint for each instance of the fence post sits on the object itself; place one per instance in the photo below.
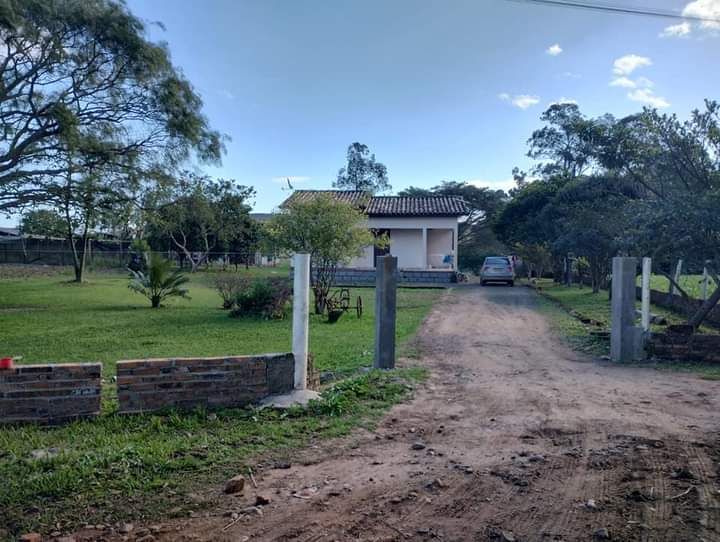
(385, 311)
(705, 281)
(301, 303)
(626, 339)
(676, 277)
(645, 297)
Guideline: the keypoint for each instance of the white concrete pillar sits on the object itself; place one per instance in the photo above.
(645, 297)
(425, 248)
(301, 311)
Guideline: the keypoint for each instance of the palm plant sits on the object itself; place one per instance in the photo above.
(159, 281)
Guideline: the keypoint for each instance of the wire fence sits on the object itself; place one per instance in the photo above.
(118, 255)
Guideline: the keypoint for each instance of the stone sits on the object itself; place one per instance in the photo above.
(262, 500)
(591, 504)
(235, 485)
(508, 536)
(31, 537)
(418, 445)
(601, 534)
(125, 528)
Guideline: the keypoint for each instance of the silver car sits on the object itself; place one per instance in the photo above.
(497, 269)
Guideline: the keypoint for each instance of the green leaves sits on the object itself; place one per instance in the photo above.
(160, 281)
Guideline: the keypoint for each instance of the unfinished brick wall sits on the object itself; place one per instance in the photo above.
(184, 383)
(49, 393)
(684, 347)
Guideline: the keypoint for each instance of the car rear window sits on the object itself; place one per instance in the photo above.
(497, 261)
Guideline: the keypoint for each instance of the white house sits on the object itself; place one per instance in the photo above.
(423, 231)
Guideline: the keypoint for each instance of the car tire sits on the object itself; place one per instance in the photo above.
(482, 283)
(511, 283)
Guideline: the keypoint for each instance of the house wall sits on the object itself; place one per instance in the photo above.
(439, 245)
(406, 241)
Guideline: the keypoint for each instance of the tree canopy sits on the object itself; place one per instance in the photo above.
(362, 172)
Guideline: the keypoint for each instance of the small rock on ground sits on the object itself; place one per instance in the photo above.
(235, 485)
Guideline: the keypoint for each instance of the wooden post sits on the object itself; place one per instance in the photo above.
(676, 277)
(301, 304)
(385, 311)
(705, 281)
(645, 298)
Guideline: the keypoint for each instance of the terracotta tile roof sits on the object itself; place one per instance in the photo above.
(358, 198)
(389, 205)
(416, 206)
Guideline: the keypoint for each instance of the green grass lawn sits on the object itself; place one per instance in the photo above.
(692, 284)
(597, 307)
(49, 319)
(121, 467)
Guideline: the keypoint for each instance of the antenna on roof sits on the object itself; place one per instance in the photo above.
(289, 185)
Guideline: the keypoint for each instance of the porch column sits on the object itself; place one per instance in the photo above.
(425, 248)
(456, 254)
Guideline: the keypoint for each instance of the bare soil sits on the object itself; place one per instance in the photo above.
(514, 437)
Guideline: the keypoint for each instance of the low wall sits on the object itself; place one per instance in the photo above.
(52, 393)
(684, 347)
(363, 277)
(184, 383)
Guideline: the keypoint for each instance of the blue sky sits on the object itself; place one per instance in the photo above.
(434, 87)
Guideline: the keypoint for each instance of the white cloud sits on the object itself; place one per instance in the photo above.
(648, 97)
(676, 30)
(702, 9)
(294, 179)
(627, 64)
(554, 50)
(623, 82)
(225, 93)
(705, 9)
(504, 184)
(523, 101)
(564, 100)
(626, 82)
(571, 75)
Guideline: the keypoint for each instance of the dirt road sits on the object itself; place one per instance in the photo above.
(514, 437)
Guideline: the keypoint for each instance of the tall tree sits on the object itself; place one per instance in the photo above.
(362, 172)
(567, 143)
(43, 222)
(85, 101)
(200, 215)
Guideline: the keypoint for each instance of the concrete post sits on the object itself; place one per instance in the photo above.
(705, 281)
(626, 340)
(645, 297)
(385, 312)
(301, 304)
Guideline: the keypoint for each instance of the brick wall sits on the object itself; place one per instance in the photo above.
(361, 277)
(49, 393)
(183, 383)
(684, 347)
(682, 305)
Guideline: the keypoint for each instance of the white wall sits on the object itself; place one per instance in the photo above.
(406, 241)
(440, 244)
(407, 245)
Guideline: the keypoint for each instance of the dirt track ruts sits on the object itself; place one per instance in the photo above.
(524, 439)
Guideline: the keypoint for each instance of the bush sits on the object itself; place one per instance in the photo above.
(229, 287)
(267, 298)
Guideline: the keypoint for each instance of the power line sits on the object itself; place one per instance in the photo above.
(625, 10)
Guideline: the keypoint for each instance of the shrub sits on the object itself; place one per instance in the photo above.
(159, 281)
(229, 287)
(267, 298)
